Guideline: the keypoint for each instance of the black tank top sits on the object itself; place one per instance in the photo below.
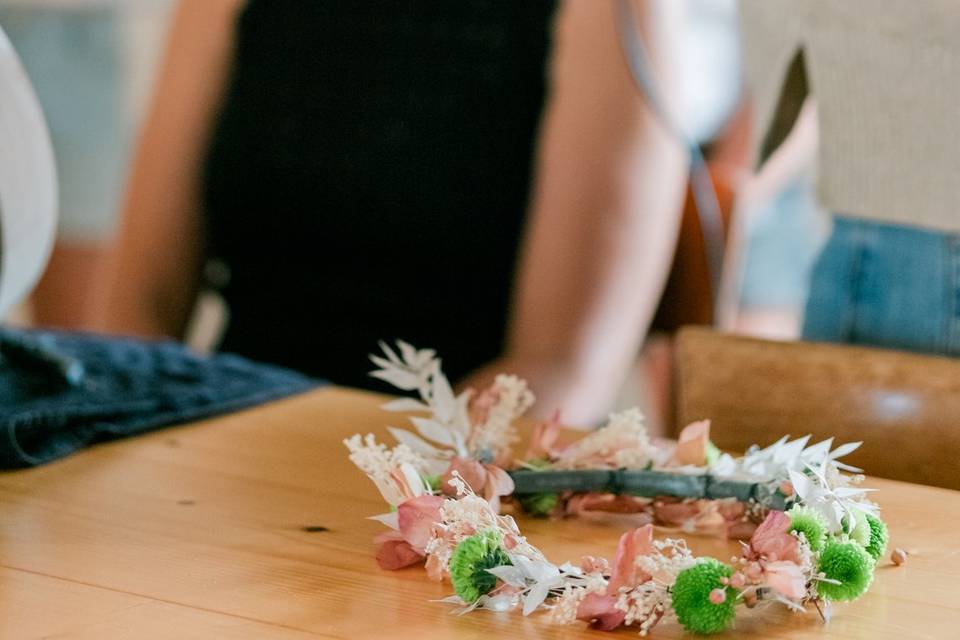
(369, 175)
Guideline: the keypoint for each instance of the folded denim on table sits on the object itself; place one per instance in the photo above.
(61, 392)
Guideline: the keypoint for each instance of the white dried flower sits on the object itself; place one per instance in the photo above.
(622, 443)
(774, 463)
(467, 514)
(565, 606)
(834, 501)
(445, 432)
(395, 472)
(670, 557)
(644, 605)
(494, 437)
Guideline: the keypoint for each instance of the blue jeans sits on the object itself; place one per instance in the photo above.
(60, 392)
(888, 286)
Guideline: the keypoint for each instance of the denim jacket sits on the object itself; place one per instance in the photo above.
(60, 392)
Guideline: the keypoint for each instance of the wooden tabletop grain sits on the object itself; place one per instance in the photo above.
(253, 526)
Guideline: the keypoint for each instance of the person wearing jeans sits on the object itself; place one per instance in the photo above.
(884, 79)
(886, 284)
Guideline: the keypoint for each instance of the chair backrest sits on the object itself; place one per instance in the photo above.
(905, 407)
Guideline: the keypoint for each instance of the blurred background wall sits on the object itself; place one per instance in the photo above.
(91, 63)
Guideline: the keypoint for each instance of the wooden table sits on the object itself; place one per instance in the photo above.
(253, 526)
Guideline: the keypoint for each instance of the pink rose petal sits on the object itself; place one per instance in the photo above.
(638, 542)
(393, 552)
(772, 541)
(498, 482)
(417, 517)
(606, 502)
(601, 611)
(731, 509)
(692, 444)
(676, 513)
(785, 578)
(544, 439)
(736, 525)
(470, 470)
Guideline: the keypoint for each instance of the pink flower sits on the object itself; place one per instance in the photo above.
(736, 524)
(470, 470)
(544, 439)
(775, 557)
(725, 518)
(638, 542)
(581, 503)
(600, 611)
(405, 546)
(393, 552)
(676, 512)
(731, 509)
(786, 578)
(416, 518)
(487, 480)
(692, 444)
(772, 540)
(499, 483)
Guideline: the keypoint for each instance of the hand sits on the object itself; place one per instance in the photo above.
(557, 387)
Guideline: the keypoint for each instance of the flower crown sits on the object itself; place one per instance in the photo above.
(811, 535)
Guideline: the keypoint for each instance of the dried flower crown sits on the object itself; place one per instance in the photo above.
(813, 537)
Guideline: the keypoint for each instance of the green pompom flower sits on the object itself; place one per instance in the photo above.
(470, 561)
(539, 504)
(850, 564)
(861, 530)
(811, 524)
(878, 537)
(691, 597)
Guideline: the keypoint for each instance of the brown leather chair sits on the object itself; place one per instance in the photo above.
(905, 407)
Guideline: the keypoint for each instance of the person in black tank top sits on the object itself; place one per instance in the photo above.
(369, 177)
(362, 170)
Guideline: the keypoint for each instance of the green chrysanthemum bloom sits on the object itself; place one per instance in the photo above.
(691, 597)
(878, 537)
(861, 530)
(849, 563)
(470, 561)
(539, 504)
(811, 524)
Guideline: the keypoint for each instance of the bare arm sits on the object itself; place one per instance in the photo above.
(605, 214)
(795, 155)
(153, 273)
